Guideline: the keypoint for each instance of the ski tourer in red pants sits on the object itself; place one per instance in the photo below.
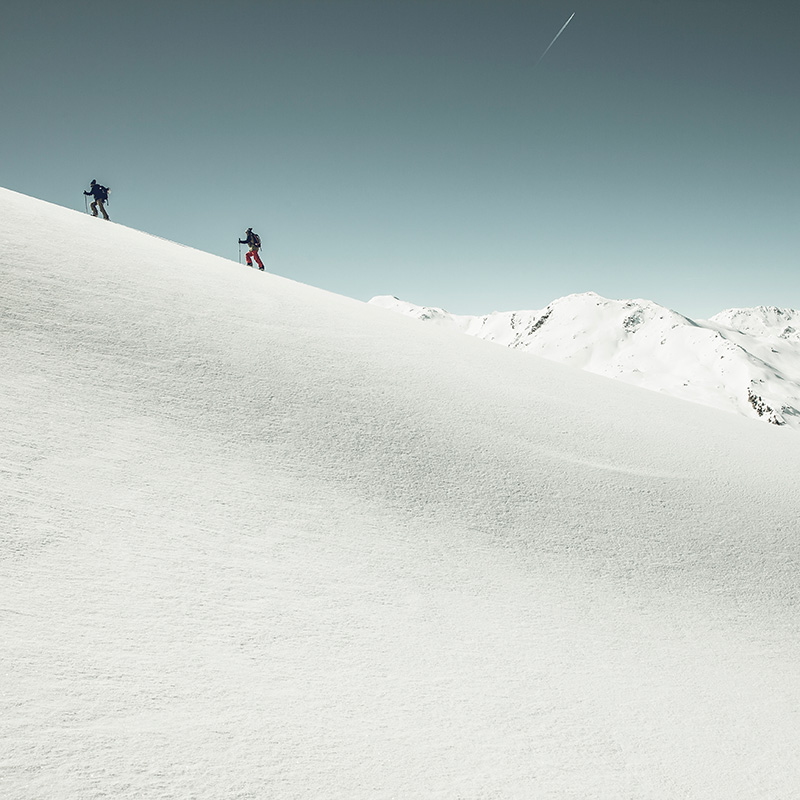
(253, 241)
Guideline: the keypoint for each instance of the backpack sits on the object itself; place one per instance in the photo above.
(103, 195)
(255, 239)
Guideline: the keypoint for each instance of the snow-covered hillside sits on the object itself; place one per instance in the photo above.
(741, 360)
(262, 541)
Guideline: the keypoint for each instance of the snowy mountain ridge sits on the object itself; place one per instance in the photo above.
(769, 321)
(745, 361)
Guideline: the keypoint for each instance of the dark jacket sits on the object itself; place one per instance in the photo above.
(98, 192)
(253, 239)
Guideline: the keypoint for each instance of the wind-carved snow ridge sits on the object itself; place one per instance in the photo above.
(744, 360)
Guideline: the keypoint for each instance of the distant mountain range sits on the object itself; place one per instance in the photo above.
(745, 360)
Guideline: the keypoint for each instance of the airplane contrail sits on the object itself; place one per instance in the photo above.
(554, 39)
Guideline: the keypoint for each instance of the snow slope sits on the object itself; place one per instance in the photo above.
(261, 541)
(742, 360)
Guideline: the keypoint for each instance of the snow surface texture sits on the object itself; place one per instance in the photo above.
(741, 360)
(262, 541)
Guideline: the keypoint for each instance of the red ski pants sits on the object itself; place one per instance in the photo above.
(253, 253)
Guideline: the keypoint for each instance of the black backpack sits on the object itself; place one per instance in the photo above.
(103, 192)
(255, 239)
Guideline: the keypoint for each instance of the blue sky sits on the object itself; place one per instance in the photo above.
(416, 148)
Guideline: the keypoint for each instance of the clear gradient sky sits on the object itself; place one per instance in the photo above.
(414, 147)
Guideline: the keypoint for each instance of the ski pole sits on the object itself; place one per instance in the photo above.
(86, 203)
